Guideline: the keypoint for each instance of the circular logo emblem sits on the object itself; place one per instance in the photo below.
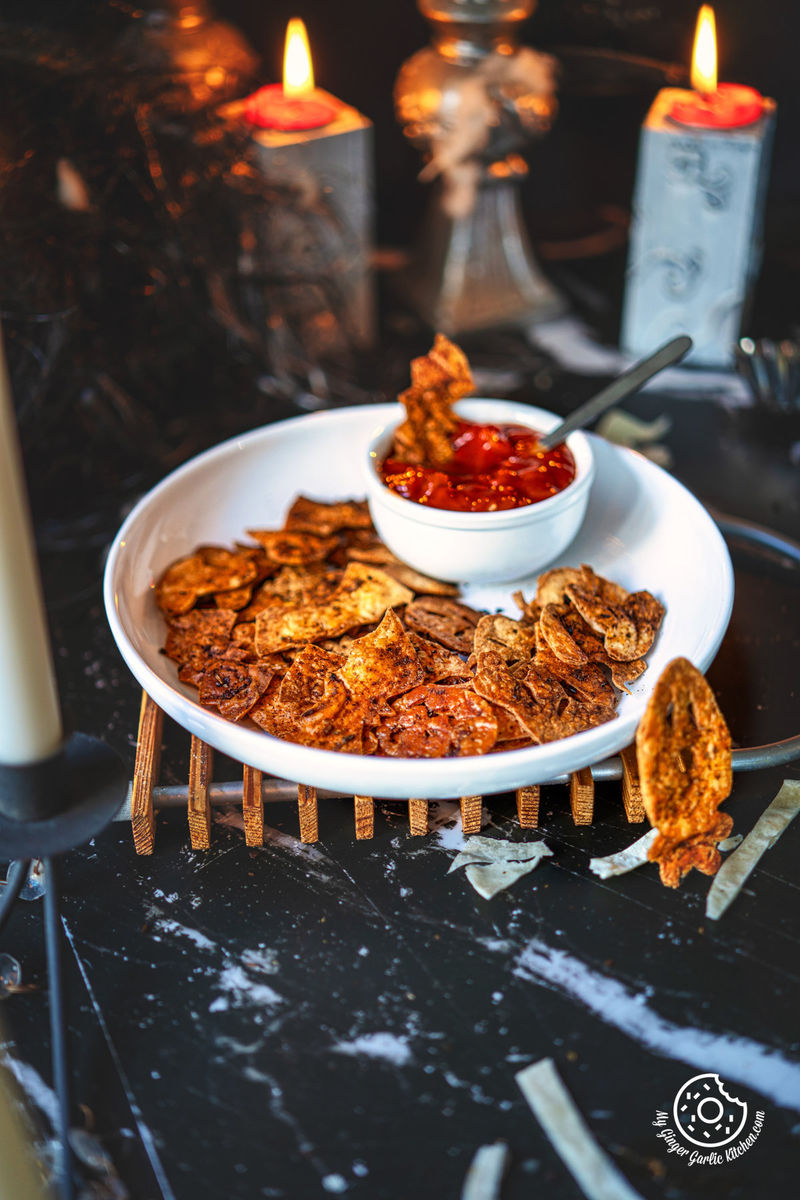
(706, 1114)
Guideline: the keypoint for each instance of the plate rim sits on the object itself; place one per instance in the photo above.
(434, 778)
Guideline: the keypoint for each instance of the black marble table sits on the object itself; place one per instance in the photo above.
(348, 1018)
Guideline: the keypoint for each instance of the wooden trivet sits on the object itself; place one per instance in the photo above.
(198, 798)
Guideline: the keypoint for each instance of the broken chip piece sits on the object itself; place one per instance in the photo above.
(734, 873)
(493, 864)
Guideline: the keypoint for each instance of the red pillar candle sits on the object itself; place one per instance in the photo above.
(711, 105)
(294, 104)
(311, 249)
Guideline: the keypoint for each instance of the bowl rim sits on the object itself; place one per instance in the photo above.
(577, 442)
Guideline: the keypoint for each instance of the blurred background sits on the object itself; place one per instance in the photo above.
(132, 337)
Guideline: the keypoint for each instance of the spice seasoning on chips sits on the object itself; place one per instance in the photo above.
(683, 751)
(338, 653)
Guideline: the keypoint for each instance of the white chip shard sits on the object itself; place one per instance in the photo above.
(734, 872)
(493, 864)
(629, 859)
(729, 843)
(485, 1175)
(592, 1169)
(635, 855)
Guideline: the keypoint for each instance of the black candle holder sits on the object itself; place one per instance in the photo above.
(46, 809)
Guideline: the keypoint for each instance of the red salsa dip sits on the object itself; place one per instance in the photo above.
(493, 467)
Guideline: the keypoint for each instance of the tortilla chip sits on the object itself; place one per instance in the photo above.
(558, 637)
(545, 716)
(364, 594)
(551, 586)
(437, 380)
(195, 637)
(513, 640)
(264, 712)
(628, 622)
(210, 570)
(295, 586)
(237, 598)
(582, 635)
(292, 547)
(437, 661)
(683, 750)
(233, 687)
(445, 621)
(312, 706)
(437, 721)
(382, 664)
(323, 517)
(376, 552)
(587, 681)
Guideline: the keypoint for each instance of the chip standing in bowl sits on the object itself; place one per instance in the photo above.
(462, 490)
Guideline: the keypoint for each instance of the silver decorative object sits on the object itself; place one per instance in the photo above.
(470, 102)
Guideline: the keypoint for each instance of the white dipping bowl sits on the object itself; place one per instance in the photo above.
(481, 547)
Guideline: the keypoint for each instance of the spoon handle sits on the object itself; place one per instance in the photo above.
(630, 381)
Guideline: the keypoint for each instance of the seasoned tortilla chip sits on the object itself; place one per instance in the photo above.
(551, 586)
(438, 379)
(444, 620)
(376, 552)
(236, 598)
(683, 750)
(587, 681)
(294, 586)
(203, 573)
(233, 687)
(312, 706)
(513, 640)
(292, 547)
(382, 664)
(545, 717)
(437, 721)
(622, 673)
(424, 585)
(364, 594)
(559, 639)
(628, 622)
(437, 661)
(195, 637)
(326, 517)
(495, 683)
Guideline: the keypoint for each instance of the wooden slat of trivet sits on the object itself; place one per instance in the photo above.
(631, 787)
(364, 808)
(307, 811)
(581, 796)
(145, 775)
(528, 806)
(471, 814)
(198, 808)
(252, 807)
(417, 816)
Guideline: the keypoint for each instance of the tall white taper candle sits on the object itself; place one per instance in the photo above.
(30, 717)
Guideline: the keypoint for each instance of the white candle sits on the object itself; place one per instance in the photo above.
(30, 716)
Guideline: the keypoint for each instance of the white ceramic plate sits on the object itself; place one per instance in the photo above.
(643, 529)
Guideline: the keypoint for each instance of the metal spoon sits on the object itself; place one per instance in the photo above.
(624, 385)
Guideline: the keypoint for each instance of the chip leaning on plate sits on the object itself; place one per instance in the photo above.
(318, 634)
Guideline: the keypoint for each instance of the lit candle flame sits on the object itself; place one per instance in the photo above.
(298, 73)
(704, 55)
